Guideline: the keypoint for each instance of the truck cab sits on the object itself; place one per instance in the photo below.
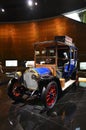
(59, 55)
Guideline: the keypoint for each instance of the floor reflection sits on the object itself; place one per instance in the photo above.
(30, 117)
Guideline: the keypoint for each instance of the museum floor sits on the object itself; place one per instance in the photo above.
(68, 114)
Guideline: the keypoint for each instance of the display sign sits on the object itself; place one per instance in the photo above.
(11, 63)
(82, 65)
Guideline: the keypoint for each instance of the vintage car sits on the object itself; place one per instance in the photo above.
(55, 70)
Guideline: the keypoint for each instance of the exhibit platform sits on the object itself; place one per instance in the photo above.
(69, 112)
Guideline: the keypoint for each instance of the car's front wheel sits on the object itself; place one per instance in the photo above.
(50, 95)
(15, 90)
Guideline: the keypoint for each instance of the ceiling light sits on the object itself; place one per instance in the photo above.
(36, 3)
(2, 10)
(30, 2)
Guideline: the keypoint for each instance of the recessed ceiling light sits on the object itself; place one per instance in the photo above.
(30, 2)
(36, 3)
(2, 10)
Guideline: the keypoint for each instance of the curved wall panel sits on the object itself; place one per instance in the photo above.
(17, 39)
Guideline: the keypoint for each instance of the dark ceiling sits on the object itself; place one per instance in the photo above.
(18, 10)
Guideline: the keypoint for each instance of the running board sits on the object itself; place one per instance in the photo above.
(68, 83)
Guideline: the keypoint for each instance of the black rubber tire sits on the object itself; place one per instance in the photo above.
(50, 95)
(15, 90)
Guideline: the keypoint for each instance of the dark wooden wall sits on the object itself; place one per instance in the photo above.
(17, 39)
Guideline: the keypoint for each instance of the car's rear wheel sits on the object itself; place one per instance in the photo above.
(15, 90)
(50, 95)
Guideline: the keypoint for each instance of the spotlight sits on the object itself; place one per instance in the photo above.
(36, 3)
(2, 10)
(30, 3)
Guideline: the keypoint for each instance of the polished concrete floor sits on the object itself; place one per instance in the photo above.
(68, 114)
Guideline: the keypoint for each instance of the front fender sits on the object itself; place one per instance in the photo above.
(43, 83)
(12, 81)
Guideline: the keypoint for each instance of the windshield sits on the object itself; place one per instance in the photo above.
(45, 55)
(51, 54)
